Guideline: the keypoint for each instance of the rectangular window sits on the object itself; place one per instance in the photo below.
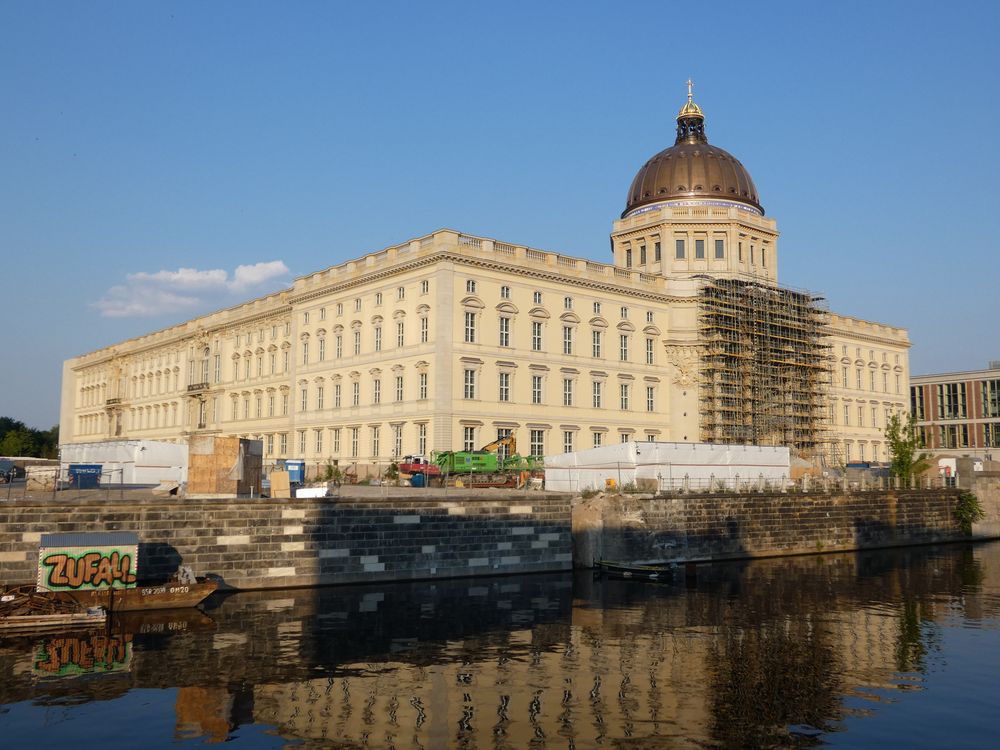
(597, 388)
(424, 330)
(322, 350)
(468, 438)
(991, 398)
(656, 250)
(303, 398)
(422, 438)
(217, 372)
(596, 344)
(699, 249)
(355, 394)
(536, 336)
(470, 286)
(357, 342)
(598, 438)
(567, 441)
(282, 443)
(319, 441)
(284, 404)
(505, 292)
(400, 338)
(423, 386)
(504, 331)
(401, 293)
(270, 445)
(273, 363)
(354, 441)
(305, 320)
(536, 389)
(720, 249)
(650, 398)
(258, 408)
(567, 392)
(874, 417)
(951, 401)
(399, 387)
(469, 390)
(861, 416)
(270, 405)
(885, 382)
(504, 394)
(357, 305)
(336, 395)
(320, 393)
(397, 438)
(305, 352)
(628, 258)
(847, 415)
(302, 442)
(339, 346)
(568, 303)
(470, 327)
(857, 378)
(597, 308)
(378, 338)
(537, 442)
(649, 351)
(536, 297)
(624, 313)
(567, 339)
(623, 347)
(623, 389)
(375, 441)
(679, 249)
(642, 255)
(845, 379)
(377, 392)
(425, 286)
(871, 380)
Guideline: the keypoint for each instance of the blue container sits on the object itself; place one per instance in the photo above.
(296, 470)
(85, 476)
(417, 480)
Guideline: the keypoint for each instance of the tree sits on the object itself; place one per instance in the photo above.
(904, 441)
(18, 443)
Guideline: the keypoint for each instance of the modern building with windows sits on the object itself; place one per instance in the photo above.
(449, 341)
(958, 413)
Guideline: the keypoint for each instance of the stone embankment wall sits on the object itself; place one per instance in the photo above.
(706, 527)
(265, 544)
(986, 487)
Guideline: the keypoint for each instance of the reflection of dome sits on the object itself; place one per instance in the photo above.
(692, 169)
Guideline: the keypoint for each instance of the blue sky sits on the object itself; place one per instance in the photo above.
(160, 160)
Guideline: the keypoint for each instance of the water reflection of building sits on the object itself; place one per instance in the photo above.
(701, 665)
(501, 663)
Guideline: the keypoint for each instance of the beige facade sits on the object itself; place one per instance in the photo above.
(450, 340)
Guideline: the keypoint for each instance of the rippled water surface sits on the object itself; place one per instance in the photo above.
(882, 649)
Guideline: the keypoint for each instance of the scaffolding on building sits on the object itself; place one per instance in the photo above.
(765, 366)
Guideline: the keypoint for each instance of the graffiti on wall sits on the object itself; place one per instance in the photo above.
(82, 568)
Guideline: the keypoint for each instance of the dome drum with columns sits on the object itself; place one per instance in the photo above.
(692, 169)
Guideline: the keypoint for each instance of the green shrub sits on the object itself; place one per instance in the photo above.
(589, 493)
(968, 511)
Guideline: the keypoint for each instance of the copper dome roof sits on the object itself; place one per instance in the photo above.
(692, 169)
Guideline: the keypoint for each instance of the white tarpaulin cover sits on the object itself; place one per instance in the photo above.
(671, 464)
(130, 461)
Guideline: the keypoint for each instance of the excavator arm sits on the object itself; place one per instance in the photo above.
(509, 441)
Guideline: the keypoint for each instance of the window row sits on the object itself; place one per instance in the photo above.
(568, 393)
(872, 382)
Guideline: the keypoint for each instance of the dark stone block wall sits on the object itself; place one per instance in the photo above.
(705, 527)
(274, 544)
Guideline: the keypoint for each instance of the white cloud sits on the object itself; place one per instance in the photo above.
(165, 291)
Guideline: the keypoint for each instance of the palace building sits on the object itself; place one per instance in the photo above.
(449, 341)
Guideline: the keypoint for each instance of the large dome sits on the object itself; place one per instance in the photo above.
(691, 169)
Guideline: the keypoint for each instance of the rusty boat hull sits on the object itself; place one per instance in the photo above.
(170, 595)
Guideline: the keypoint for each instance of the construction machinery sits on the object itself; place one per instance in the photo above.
(488, 466)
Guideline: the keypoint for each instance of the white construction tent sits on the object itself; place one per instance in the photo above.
(671, 466)
(129, 461)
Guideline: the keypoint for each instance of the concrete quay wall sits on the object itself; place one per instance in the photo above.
(274, 544)
(712, 527)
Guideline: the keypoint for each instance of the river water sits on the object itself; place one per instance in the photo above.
(897, 648)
